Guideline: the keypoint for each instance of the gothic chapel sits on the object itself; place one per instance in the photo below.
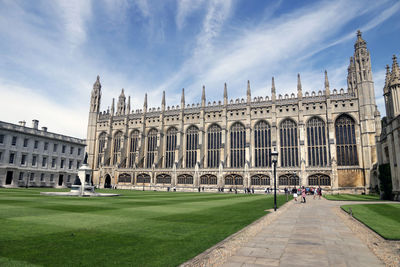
(326, 138)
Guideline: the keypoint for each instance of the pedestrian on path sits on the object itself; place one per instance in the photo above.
(303, 194)
(294, 191)
(319, 192)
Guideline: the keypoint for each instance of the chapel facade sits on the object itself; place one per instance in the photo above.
(326, 138)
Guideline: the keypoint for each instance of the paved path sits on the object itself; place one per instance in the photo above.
(308, 234)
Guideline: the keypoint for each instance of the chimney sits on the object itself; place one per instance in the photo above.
(44, 129)
(35, 124)
(22, 123)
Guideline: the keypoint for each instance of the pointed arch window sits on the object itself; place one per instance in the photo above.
(185, 179)
(346, 146)
(319, 179)
(316, 142)
(208, 179)
(102, 146)
(143, 178)
(233, 179)
(117, 148)
(163, 179)
(289, 179)
(238, 145)
(289, 144)
(170, 147)
(151, 147)
(262, 144)
(124, 178)
(260, 179)
(133, 147)
(192, 141)
(213, 146)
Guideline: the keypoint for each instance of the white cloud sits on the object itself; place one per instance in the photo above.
(74, 14)
(30, 105)
(273, 48)
(185, 9)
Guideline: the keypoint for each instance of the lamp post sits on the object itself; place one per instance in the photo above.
(274, 158)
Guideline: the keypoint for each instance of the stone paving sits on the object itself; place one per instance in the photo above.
(309, 234)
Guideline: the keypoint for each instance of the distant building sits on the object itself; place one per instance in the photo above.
(389, 142)
(325, 138)
(33, 157)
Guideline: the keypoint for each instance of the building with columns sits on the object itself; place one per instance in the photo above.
(325, 138)
(389, 141)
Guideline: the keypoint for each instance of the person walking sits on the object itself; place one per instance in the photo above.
(294, 191)
(303, 194)
(319, 192)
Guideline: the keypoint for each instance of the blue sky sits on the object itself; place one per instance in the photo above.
(52, 51)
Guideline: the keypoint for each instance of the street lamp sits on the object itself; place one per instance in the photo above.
(274, 158)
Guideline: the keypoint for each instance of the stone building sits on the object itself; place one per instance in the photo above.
(34, 157)
(389, 142)
(323, 138)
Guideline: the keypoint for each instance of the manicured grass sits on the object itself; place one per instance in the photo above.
(136, 229)
(349, 197)
(382, 218)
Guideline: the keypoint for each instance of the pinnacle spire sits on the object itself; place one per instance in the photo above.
(203, 96)
(326, 80)
(183, 98)
(298, 82)
(145, 103)
(128, 106)
(113, 107)
(97, 84)
(273, 90)
(163, 100)
(395, 75)
(360, 42)
(95, 96)
(387, 77)
(299, 87)
(248, 92)
(327, 92)
(225, 95)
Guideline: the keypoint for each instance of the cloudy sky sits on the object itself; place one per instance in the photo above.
(51, 51)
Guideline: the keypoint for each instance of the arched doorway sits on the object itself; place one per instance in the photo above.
(107, 181)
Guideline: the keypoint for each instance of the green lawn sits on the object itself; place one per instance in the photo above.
(137, 228)
(382, 218)
(349, 197)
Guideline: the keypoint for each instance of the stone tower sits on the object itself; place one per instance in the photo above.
(360, 82)
(392, 90)
(92, 122)
(121, 107)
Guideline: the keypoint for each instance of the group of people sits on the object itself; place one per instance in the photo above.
(303, 192)
(169, 189)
